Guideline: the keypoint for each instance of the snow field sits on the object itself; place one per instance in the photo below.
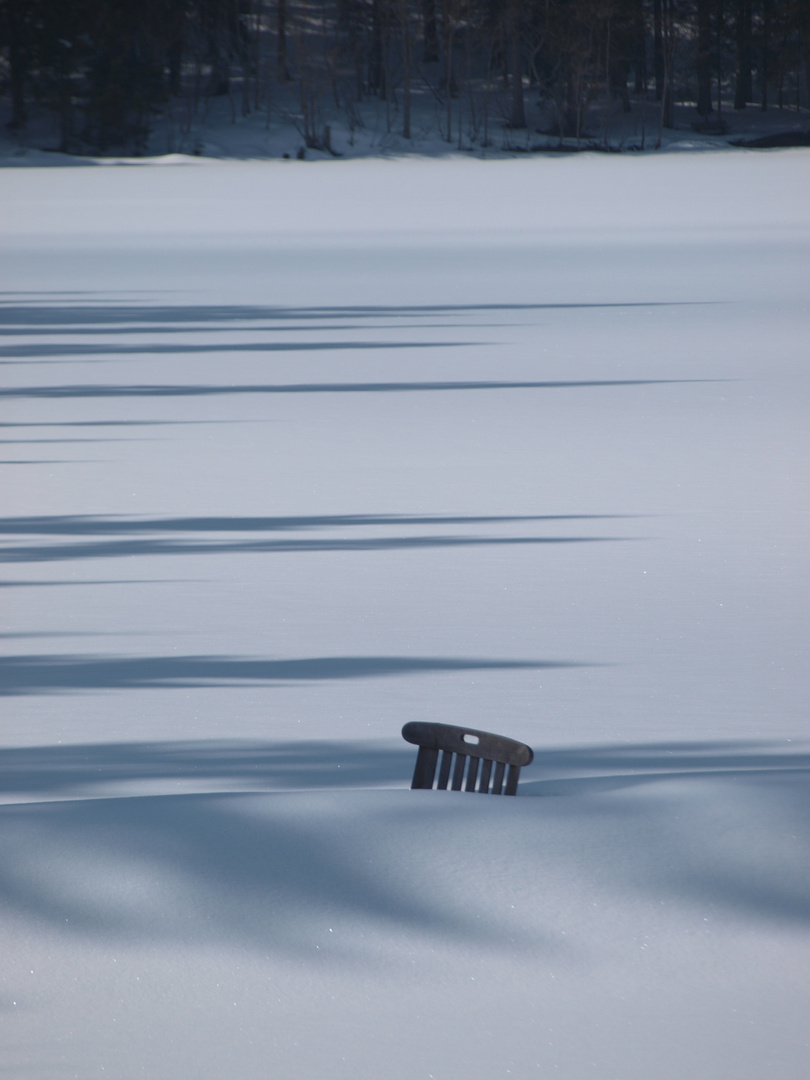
(295, 453)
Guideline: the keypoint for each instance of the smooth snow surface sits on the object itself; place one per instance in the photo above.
(294, 453)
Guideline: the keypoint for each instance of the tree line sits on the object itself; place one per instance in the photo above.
(106, 69)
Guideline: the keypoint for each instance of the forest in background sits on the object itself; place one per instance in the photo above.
(106, 70)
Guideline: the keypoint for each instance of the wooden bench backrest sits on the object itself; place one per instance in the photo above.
(475, 754)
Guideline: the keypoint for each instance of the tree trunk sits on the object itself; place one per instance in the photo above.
(743, 88)
(65, 112)
(281, 42)
(258, 56)
(704, 58)
(448, 72)
(640, 51)
(517, 115)
(720, 38)
(219, 82)
(406, 71)
(431, 35)
(448, 37)
(766, 47)
(375, 75)
(658, 49)
(18, 66)
(667, 119)
(669, 50)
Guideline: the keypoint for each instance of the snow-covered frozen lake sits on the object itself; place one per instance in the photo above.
(294, 453)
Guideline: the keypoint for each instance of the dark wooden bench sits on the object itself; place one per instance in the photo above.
(474, 751)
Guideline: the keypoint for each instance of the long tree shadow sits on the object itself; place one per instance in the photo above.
(76, 439)
(94, 525)
(72, 582)
(161, 390)
(27, 353)
(581, 765)
(128, 548)
(38, 314)
(208, 764)
(119, 423)
(135, 539)
(56, 673)
(128, 329)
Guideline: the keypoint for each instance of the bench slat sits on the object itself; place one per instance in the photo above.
(425, 767)
(458, 772)
(486, 769)
(497, 783)
(444, 769)
(472, 773)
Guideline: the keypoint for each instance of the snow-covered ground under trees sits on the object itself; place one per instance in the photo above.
(296, 452)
